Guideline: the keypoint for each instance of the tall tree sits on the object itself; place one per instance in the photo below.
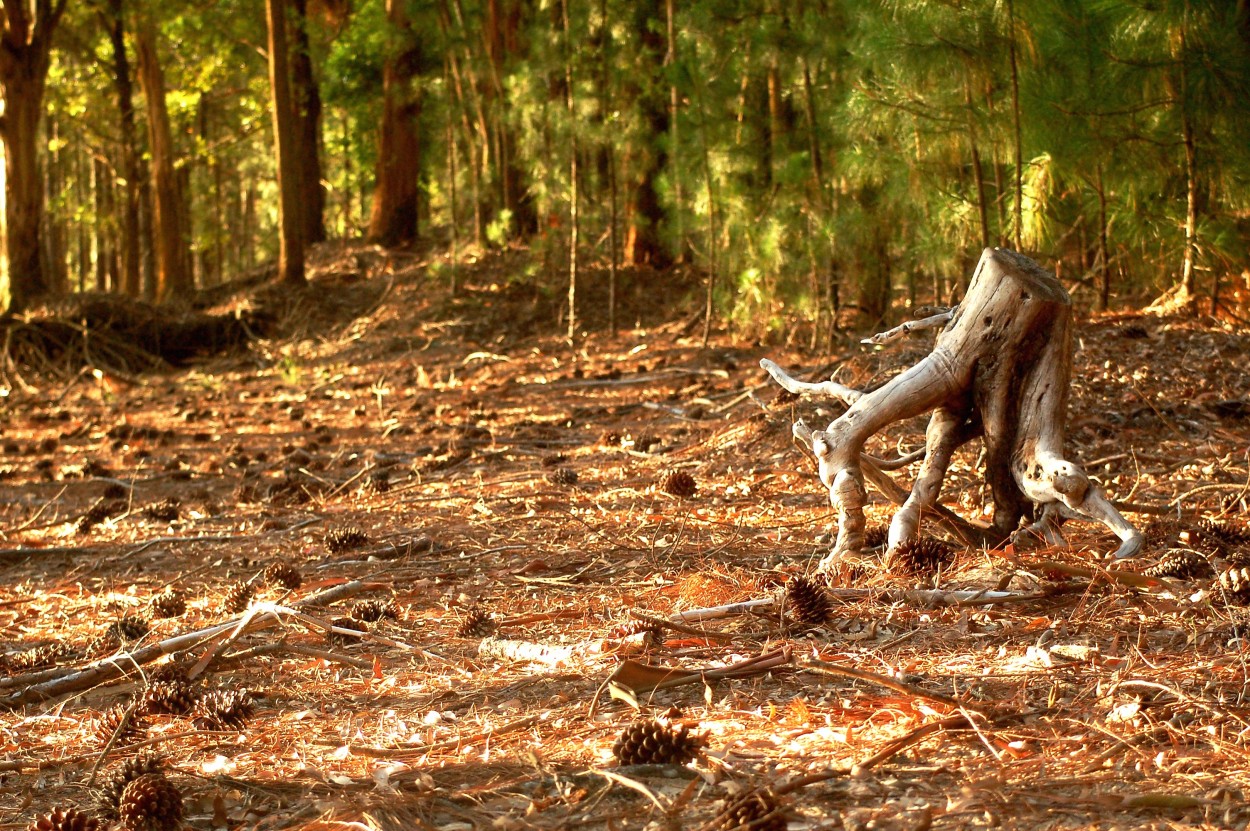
(308, 118)
(174, 277)
(647, 219)
(286, 141)
(504, 21)
(396, 193)
(25, 50)
(113, 18)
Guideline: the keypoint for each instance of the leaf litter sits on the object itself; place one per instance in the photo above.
(527, 617)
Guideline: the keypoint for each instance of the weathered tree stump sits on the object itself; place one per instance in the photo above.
(1000, 371)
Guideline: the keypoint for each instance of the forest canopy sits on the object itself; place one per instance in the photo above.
(805, 158)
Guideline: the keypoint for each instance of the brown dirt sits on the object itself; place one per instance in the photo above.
(1101, 705)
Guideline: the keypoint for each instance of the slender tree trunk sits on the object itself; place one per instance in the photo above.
(472, 114)
(249, 226)
(1017, 143)
(574, 228)
(1189, 275)
(25, 50)
(83, 196)
(173, 254)
(131, 167)
(107, 273)
(286, 148)
(210, 231)
(501, 38)
(646, 215)
(395, 196)
(1104, 264)
(674, 125)
(978, 174)
(308, 117)
(56, 231)
(454, 223)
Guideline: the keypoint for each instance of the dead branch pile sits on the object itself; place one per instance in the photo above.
(118, 334)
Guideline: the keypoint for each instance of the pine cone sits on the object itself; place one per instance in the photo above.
(172, 671)
(64, 820)
(565, 477)
(1234, 583)
(657, 742)
(807, 601)
(167, 510)
(237, 597)
(345, 623)
(102, 509)
(169, 603)
(176, 698)
(107, 723)
(553, 460)
(223, 710)
(1181, 564)
(630, 628)
(876, 536)
(611, 438)
(345, 539)
(678, 483)
(39, 658)
(921, 556)
(130, 628)
(1215, 539)
(477, 623)
(755, 809)
(283, 574)
(106, 643)
(371, 611)
(108, 796)
(150, 803)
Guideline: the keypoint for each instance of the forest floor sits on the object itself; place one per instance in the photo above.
(452, 456)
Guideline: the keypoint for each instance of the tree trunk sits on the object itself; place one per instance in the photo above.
(131, 167)
(55, 228)
(643, 242)
(393, 221)
(286, 148)
(25, 51)
(1000, 369)
(501, 35)
(173, 253)
(1017, 143)
(574, 218)
(107, 267)
(308, 117)
(1104, 263)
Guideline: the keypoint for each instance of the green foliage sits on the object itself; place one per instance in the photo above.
(805, 154)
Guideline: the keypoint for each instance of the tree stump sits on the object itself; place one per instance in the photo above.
(999, 370)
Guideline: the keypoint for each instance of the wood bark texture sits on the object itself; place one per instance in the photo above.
(25, 53)
(1000, 371)
(286, 148)
(397, 194)
(169, 224)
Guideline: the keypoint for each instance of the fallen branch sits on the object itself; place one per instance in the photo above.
(525, 651)
(680, 627)
(836, 670)
(116, 666)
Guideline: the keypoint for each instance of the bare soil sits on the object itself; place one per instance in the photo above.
(488, 466)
